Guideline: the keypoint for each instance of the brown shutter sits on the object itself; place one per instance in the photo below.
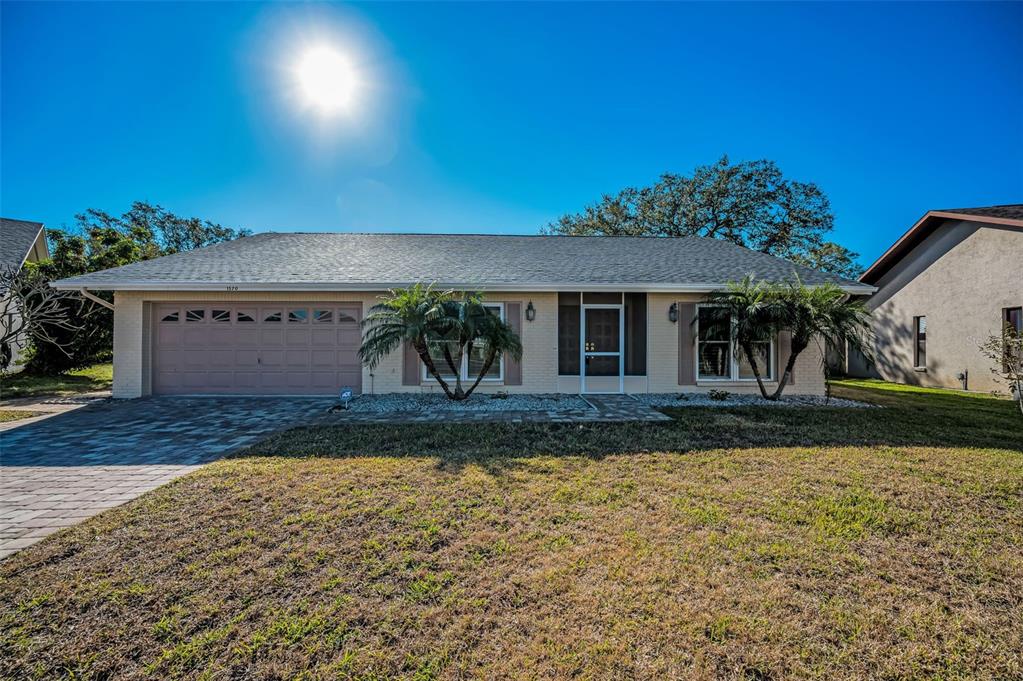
(411, 371)
(513, 369)
(686, 344)
(784, 350)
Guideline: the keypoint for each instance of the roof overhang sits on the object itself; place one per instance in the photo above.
(920, 231)
(232, 287)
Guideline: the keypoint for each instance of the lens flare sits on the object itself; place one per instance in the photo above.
(326, 80)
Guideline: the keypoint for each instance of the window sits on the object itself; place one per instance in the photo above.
(635, 334)
(297, 316)
(245, 317)
(221, 315)
(171, 317)
(920, 342)
(714, 356)
(472, 362)
(274, 316)
(323, 316)
(344, 317)
(568, 333)
(1013, 318)
(195, 315)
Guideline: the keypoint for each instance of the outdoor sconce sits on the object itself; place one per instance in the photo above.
(673, 313)
(530, 312)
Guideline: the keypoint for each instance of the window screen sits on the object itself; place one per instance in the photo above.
(635, 334)
(568, 334)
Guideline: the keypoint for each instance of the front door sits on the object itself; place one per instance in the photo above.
(601, 348)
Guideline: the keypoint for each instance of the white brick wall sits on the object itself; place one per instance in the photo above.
(539, 340)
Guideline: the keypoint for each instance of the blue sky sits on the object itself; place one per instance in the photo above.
(501, 117)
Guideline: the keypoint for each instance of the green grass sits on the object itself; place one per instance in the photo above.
(755, 543)
(8, 415)
(89, 379)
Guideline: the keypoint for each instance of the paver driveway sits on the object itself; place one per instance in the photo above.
(57, 472)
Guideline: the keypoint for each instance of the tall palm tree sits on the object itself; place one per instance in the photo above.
(824, 313)
(422, 316)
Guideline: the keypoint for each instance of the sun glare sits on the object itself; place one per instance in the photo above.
(326, 80)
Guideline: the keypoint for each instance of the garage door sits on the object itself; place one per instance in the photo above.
(254, 349)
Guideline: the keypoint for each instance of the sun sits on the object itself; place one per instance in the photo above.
(326, 80)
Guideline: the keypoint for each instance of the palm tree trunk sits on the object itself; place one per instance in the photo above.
(748, 349)
(793, 354)
(424, 354)
(483, 372)
(456, 369)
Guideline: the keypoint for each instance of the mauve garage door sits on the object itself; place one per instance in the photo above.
(255, 349)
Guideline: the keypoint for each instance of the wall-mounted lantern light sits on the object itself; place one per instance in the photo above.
(673, 313)
(530, 312)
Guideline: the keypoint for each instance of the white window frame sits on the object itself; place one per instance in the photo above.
(733, 376)
(427, 378)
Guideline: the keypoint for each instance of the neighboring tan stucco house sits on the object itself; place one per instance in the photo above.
(21, 241)
(279, 313)
(947, 284)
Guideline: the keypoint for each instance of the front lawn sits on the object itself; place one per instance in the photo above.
(748, 543)
(90, 379)
(8, 415)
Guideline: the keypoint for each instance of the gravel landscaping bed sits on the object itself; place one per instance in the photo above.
(736, 400)
(478, 402)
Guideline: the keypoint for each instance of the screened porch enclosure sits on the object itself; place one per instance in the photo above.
(602, 339)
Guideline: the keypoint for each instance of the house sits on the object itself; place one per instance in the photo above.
(947, 284)
(21, 241)
(279, 313)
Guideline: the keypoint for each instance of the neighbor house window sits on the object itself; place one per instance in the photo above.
(472, 362)
(1013, 318)
(714, 356)
(920, 342)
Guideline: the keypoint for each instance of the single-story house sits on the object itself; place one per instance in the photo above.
(21, 241)
(946, 285)
(280, 313)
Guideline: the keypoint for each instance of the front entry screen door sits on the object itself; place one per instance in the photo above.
(602, 341)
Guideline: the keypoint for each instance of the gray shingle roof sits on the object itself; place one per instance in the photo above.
(1009, 211)
(16, 239)
(350, 261)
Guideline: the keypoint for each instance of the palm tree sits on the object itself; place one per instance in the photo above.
(422, 316)
(751, 308)
(822, 313)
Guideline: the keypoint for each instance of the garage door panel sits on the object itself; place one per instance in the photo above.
(246, 358)
(222, 336)
(221, 358)
(323, 336)
(221, 348)
(271, 359)
(247, 336)
(270, 337)
(246, 381)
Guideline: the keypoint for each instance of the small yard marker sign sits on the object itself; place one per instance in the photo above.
(346, 397)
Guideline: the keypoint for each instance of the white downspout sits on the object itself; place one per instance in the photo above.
(96, 299)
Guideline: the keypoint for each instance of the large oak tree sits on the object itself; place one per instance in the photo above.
(749, 203)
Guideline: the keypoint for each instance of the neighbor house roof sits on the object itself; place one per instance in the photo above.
(16, 240)
(1010, 215)
(348, 261)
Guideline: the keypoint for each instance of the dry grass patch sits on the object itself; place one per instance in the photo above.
(766, 563)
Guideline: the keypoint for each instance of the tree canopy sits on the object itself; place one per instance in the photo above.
(749, 203)
(97, 241)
